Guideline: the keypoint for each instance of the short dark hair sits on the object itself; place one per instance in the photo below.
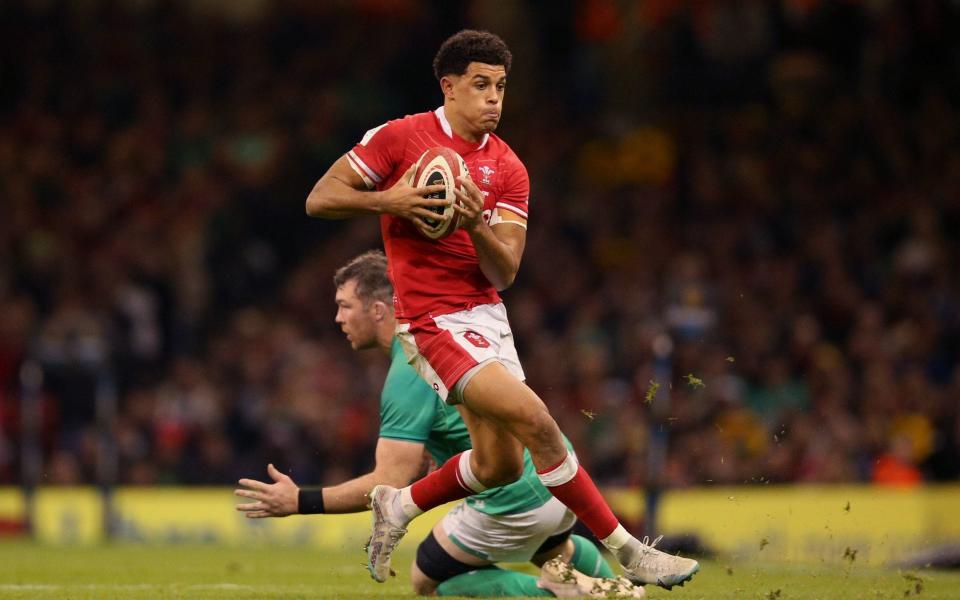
(370, 272)
(467, 46)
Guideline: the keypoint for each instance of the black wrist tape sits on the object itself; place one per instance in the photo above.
(310, 502)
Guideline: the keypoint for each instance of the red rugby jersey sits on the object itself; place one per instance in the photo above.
(443, 276)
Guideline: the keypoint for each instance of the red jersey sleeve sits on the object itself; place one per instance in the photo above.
(378, 153)
(515, 195)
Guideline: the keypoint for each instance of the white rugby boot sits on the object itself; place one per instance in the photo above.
(560, 578)
(642, 563)
(389, 527)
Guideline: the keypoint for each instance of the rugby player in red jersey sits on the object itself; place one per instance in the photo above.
(451, 322)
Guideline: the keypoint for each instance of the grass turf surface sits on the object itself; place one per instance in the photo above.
(29, 570)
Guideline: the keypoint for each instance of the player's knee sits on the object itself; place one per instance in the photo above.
(422, 585)
(503, 475)
(510, 473)
(502, 472)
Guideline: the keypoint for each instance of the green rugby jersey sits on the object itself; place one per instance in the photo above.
(411, 411)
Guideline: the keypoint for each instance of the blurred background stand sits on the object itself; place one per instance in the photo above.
(77, 369)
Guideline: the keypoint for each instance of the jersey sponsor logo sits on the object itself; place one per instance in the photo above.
(476, 339)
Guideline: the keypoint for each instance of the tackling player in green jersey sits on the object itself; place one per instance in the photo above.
(514, 523)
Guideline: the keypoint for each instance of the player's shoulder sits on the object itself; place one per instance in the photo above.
(414, 122)
(400, 370)
(513, 173)
(504, 154)
(397, 129)
(403, 385)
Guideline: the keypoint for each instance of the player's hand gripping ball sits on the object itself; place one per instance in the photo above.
(439, 165)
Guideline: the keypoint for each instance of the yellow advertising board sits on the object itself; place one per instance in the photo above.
(796, 523)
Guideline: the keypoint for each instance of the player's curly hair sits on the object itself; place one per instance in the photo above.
(370, 272)
(467, 46)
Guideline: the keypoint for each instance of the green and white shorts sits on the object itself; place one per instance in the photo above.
(506, 538)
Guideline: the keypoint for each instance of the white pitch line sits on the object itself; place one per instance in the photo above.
(44, 587)
(28, 587)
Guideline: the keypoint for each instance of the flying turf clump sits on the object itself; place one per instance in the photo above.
(694, 382)
(652, 391)
(916, 585)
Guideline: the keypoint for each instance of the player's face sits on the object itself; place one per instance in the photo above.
(478, 95)
(357, 321)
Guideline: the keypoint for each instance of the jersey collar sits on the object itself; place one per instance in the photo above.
(445, 125)
(395, 347)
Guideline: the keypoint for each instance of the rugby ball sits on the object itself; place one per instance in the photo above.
(439, 165)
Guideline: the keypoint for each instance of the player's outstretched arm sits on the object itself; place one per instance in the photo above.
(397, 464)
(499, 247)
(341, 193)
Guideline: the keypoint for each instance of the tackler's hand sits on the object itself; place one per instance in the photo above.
(278, 499)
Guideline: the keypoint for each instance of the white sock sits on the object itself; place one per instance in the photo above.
(466, 473)
(405, 504)
(617, 539)
(562, 473)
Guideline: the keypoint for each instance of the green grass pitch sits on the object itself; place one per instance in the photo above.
(29, 570)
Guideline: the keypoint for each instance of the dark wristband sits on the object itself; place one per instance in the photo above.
(310, 502)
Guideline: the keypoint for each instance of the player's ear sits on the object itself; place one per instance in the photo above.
(446, 86)
(380, 310)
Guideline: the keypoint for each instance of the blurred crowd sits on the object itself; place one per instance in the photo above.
(743, 240)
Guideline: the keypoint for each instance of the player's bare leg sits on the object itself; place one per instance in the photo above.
(496, 395)
(510, 409)
(497, 457)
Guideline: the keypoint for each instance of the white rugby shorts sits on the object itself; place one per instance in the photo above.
(448, 350)
(506, 538)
